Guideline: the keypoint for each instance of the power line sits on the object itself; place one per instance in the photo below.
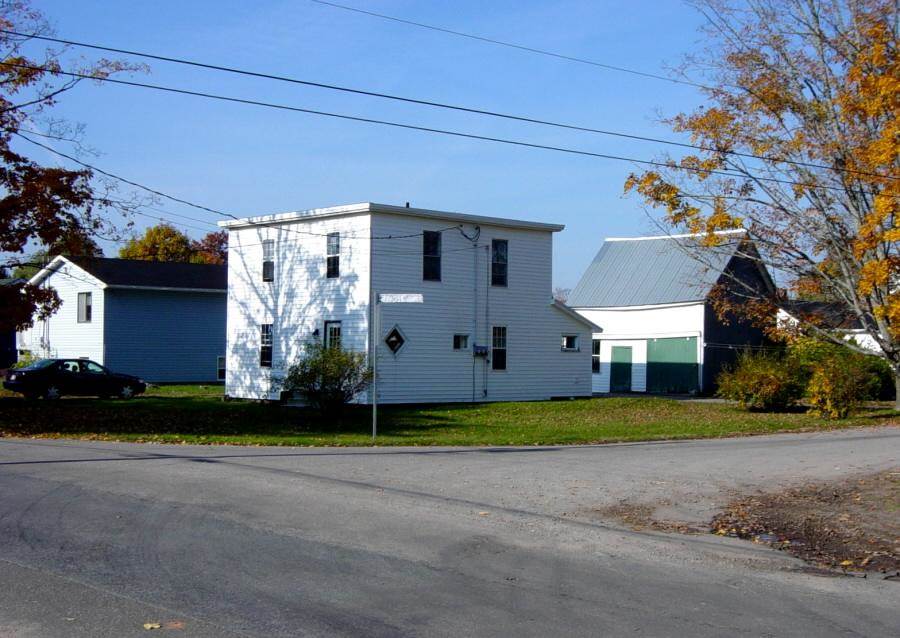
(512, 45)
(413, 127)
(441, 105)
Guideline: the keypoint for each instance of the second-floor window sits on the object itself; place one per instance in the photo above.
(268, 247)
(265, 345)
(333, 256)
(499, 262)
(431, 255)
(85, 307)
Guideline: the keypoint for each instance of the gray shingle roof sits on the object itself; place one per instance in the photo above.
(649, 271)
(154, 274)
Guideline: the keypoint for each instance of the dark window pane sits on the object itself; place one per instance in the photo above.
(460, 342)
(431, 255)
(333, 267)
(84, 307)
(265, 356)
(265, 347)
(268, 271)
(498, 359)
(499, 262)
(595, 347)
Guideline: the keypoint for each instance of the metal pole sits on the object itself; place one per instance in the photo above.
(375, 338)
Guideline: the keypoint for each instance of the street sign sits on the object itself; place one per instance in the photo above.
(402, 297)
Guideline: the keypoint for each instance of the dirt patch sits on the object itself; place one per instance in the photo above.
(641, 517)
(853, 524)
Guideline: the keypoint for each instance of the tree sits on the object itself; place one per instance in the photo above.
(164, 242)
(328, 377)
(799, 145)
(212, 249)
(52, 206)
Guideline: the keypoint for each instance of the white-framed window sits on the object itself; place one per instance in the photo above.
(265, 345)
(498, 348)
(220, 368)
(85, 307)
(595, 356)
(333, 256)
(460, 342)
(569, 343)
(332, 334)
(268, 271)
(431, 255)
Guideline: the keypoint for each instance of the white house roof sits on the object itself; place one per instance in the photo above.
(371, 207)
(141, 274)
(647, 271)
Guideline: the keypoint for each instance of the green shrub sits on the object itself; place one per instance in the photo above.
(25, 359)
(836, 388)
(872, 375)
(763, 381)
(328, 378)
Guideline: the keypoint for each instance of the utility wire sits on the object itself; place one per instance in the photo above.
(412, 127)
(512, 45)
(440, 105)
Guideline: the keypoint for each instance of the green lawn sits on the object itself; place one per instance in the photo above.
(196, 414)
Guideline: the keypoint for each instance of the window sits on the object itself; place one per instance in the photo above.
(92, 368)
(332, 334)
(460, 342)
(499, 262)
(431, 255)
(333, 256)
(85, 307)
(220, 368)
(268, 247)
(498, 348)
(395, 340)
(265, 345)
(595, 356)
(570, 343)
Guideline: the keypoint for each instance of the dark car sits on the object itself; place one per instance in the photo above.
(53, 378)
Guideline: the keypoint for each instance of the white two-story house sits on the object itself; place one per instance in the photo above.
(486, 329)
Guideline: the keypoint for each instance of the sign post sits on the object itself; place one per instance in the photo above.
(379, 299)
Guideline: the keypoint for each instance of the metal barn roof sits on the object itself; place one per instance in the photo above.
(646, 271)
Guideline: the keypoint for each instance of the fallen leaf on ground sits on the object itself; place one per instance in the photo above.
(152, 625)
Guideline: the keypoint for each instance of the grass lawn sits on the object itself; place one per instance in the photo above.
(196, 414)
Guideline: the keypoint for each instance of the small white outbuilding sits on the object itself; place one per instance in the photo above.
(487, 328)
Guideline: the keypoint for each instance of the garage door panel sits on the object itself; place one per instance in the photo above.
(672, 366)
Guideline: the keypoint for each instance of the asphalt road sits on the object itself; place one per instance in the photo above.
(97, 539)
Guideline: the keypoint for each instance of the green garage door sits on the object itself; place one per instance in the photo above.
(672, 365)
(620, 369)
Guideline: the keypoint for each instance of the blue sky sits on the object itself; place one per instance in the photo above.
(249, 160)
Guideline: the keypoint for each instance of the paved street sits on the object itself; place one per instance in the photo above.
(97, 539)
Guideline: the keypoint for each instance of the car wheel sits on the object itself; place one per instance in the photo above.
(127, 392)
(52, 392)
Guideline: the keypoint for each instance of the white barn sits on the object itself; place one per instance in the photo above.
(488, 329)
(658, 330)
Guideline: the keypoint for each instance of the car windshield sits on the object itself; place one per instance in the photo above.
(38, 365)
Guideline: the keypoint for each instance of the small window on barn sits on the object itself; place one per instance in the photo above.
(595, 356)
(460, 342)
(265, 345)
(220, 368)
(268, 247)
(333, 256)
(431, 255)
(570, 343)
(498, 348)
(85, 307)
(499, 262)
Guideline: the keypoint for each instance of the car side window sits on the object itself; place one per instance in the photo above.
(69, 366)
(92, 368)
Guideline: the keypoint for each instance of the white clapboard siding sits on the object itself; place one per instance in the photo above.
(297, 302)
(61, 335)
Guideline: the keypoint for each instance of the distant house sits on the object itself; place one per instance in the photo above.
(161, 321)
(8, 339)
(830, 316)
(652, 300)
(487, 328)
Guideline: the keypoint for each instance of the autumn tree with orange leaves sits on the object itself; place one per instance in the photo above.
(41, 206)
(799, 143)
